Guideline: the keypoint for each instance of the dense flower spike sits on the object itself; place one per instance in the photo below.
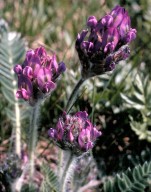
(37, 75)
(105, 42)
(75, 133)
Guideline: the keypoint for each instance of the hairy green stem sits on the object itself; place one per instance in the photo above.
(68, 171)
(60, 164)
(17, 123)
(64, 161)
(33, 135)
(17, 130)
(74, 94)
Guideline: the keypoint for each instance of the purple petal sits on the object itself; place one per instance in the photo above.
(26, 95)
(95, 134)
(81, 37)
(124, 26)
(107, 20)
(35, 64)
(82, 114)
(43, 77)
(88, 146)
(88, 125)
(19, 94)
(130, 36)
(84, 138)
(118, 14)
(54, 62)
(62, 67)
(70, 136)
(109, 47)
(48, 87)
(25, 84)
(88, 46)
(60, 130)
(29, 55)
(41, 52)
(34, 60)
(18, 69)
(52, 133)
(23, 94)
(92, 22)
(110, 39)
(28, 71)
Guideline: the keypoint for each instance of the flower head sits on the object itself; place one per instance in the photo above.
(37, 75)
(75, 132)
(105, 38)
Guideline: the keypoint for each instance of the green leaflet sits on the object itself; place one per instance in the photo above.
(134, 180)
(12, 50)
(139, 99)
(29, 188)
(50, 183)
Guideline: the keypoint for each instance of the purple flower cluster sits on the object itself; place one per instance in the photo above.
(37, 75)
(75, 132)
(105, 42)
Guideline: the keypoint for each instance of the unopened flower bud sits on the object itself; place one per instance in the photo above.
(92, 21)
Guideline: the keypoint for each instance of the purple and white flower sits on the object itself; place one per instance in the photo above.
(75, 132)
(102, 40)
(37, 75)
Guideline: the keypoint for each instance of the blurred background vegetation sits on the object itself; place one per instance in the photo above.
(119, 103)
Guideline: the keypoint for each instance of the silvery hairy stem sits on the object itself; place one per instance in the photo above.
(69, 163)
(33, 135)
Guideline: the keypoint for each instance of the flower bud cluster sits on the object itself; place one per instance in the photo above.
(37, 75)
(97, 46)
(75, 133)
